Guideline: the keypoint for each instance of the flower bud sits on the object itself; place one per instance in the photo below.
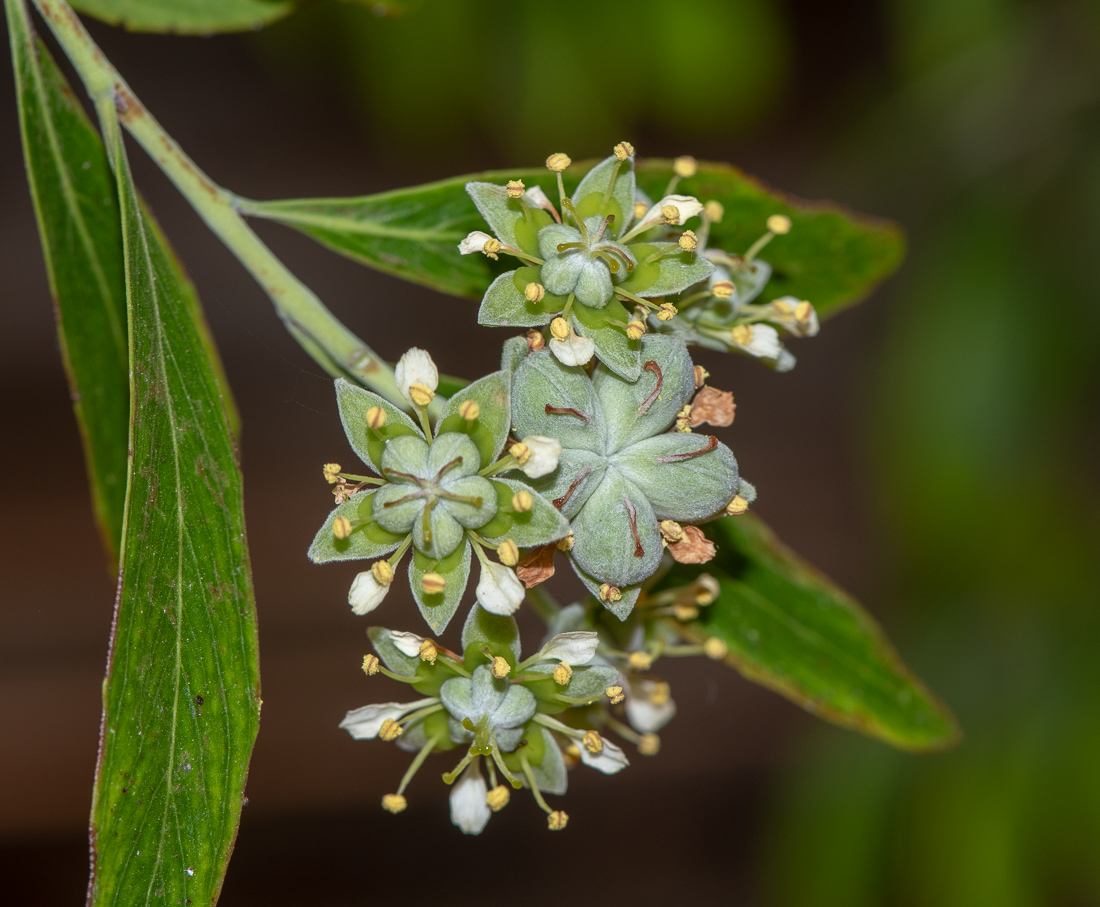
(559, 328)
(557, 820)
(469, 410)
(376, 417)
(563, 673)
(688, 240)
(508, 552)
(685, 166)
(499, 590)
(779, 224)
(394, 803)
(417, 377)
(367, 592)
(332, 472)
(615, 694)
(623, 150)
(558, 162)
(522, 501)
(370, 665)
(341, 527)
(515, 188)
(432, 583)
(534, 292)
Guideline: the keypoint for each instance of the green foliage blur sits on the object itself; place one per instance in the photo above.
(977, 124)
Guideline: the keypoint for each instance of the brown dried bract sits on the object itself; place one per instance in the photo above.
(712, 406)
(693, 548)
(537, 567)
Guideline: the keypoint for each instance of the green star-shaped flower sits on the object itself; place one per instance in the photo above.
(584, 267)
(620, 473)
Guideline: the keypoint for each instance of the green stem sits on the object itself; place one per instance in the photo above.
(321, 334)
(544, 606)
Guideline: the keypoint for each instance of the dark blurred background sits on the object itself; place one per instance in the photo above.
(935, 450)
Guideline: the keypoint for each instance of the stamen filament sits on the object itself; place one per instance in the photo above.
(755, 248)
(611, 184)
(363, 480)
(502, 465)
(661, 253)
(395, 558)
(416, 763)
(533, 784)
(425, 422)
(524, 256)
(627, 733)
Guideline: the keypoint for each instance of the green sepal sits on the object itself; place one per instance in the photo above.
(433, 727)
(604, 543)
(367, 541)
(497, 631)
(489, 430)
(549, 772)
(513, 352)
(353, 402)
(677, 273)
(438, 609)
(587, 682)
(588, 195)
(645, 273)
(540, 525)
(621, 400)
(515, 222)
(392, 657)
(622, 608)
(613, 348)
(541, 381)
(571, 463)
(505, 305)
(681, 490)
(527, 229)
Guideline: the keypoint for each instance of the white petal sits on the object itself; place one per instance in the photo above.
(609, 760)
(764, 342)
(366, 593)
(574, 350)
(474, 242)
(407, 643)
(687, 205)
(365, 723)
(469, 811)
(537, 197)
(574, 648)
(544, 456)
(643, 715)
(499, 590)
(415, 367)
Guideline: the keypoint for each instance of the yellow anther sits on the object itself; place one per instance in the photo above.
(688, 240)
(508, 552)
(557, 820)
(572, 753)
(515, 188)
(500, 667)
(636, 330)
(666, 311)
(737, 506)
(671, 531)
(723, 289)
(469, 410)
(428, 651)
(341, 527)
(701, 375)
(559, 327)
(659, 693)
(521, 452)
(640, 209)
(706, 589)
(615, 694)
(779, 224)
(534, 292)
(683, 420)
(432, 583)
(742, 334)
(671, 214)
(390, 731)
(498, 798)
(394, 803)
(522, 501)
(421, 394)
(803, 311)
(685, 166)
(649, 745)
(382, 572)
(492, 247)
(566, 544)
(376, 417)
(640, 661)
(535, 340)
(714, 211)
(593, 742)
(715, 648)
(682, 611)
(562, 674)
(610, 594)
(558, 162)
(370, 665)
(782, 306)
(623, 150)
(332, 472)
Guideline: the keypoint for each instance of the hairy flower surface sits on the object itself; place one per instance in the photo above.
(620, 472)
(435, 491)
(585, 263)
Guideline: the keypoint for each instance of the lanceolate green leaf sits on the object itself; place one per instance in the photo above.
(831, 257)
(186, 17)
(793, 631)
(181, 699)
(77, 208)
